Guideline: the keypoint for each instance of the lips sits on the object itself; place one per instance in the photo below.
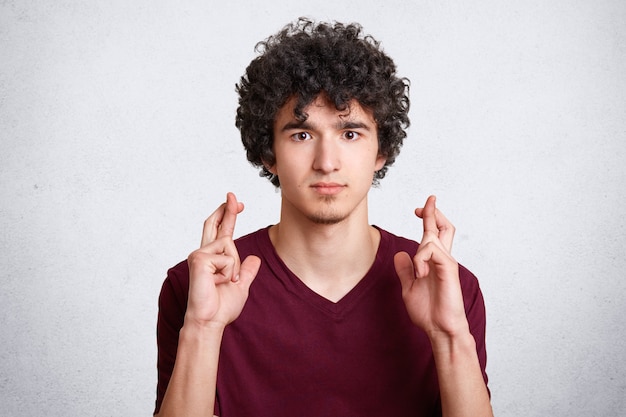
(328, 188)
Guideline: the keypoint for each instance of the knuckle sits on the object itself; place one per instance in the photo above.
(193, 257)
(426, 245)
(198, 262)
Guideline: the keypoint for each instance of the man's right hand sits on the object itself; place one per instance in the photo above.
(218, 281)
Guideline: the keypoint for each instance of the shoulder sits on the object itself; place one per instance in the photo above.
(397, 243)
(175, 288)
(253, 242)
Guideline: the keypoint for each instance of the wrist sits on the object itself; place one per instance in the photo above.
(202, 328)
(451, 345)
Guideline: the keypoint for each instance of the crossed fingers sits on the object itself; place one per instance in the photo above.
(435, 247)
(221, 223)
(437, 228)
(217, 238)
(430, 280)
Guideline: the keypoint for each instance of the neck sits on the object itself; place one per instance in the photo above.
(329, 258)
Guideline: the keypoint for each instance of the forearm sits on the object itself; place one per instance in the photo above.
(461, 383)
(191, 389)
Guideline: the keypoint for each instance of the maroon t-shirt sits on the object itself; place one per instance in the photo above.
(292, 352)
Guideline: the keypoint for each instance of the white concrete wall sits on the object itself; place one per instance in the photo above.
(117, 139)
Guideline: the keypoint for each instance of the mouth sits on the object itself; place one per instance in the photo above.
(328, 188)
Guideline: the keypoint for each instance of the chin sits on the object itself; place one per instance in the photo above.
(326, 218)
(325, 221)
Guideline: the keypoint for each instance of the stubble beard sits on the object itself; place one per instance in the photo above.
(328, 215)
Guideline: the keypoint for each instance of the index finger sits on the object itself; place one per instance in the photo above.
(443, 229)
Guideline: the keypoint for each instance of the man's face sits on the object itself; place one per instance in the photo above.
(325, 164)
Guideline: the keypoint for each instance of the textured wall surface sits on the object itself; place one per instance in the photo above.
(117, 140)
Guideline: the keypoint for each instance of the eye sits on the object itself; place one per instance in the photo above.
(350, 135)
(301, 136)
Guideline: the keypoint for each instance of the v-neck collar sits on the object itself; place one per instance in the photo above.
(299, 289)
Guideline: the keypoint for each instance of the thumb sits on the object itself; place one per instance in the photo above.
(248, 270)
(404, 268)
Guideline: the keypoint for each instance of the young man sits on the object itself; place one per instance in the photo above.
(322, 314)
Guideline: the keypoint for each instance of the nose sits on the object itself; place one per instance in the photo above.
(327, 156)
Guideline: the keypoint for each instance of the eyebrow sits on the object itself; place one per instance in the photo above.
(305, 125)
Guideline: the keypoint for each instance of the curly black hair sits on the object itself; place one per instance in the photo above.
(305, 59)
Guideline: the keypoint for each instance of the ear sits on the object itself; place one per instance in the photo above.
(270, 168)
(380, 162)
